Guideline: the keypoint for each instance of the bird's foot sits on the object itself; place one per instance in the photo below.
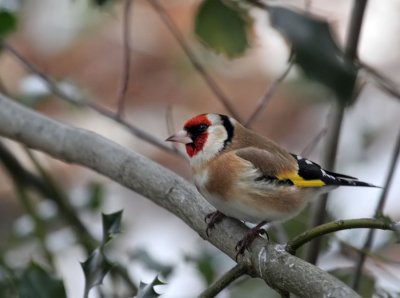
(246, 241)
(211, 219)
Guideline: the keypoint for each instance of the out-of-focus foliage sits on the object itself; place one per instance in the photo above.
(8, 23)
(222, 26)
(316, 51)
(36, 282)
(205, 265)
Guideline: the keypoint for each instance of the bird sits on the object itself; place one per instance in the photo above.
(249, 177)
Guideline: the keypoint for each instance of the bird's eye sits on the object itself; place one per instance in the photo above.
(202, 127)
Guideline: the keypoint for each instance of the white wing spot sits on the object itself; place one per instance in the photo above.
(308, 162)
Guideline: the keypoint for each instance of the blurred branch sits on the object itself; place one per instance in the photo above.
(52, 85)
(230, 276)
(211, 83)
(259, 4)
(338, 225)
(18, 172)
(314, 142)
(270, 92)
(268, 261)
(381, 80)
(23, 179)
(378, 212)
(126, 57)
(319, 211)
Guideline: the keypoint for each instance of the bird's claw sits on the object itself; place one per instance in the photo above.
(211, 219)
(246, 241)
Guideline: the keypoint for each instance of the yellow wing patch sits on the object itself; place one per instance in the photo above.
(299, 181)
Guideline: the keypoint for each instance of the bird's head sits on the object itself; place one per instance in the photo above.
(205, 135)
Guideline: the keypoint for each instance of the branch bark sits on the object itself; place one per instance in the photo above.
(270, 262)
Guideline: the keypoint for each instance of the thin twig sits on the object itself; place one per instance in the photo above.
(378, 212)
(230, 276)
(381, 80)
(259, 4)
(170, 125)
(314, 142)
(211, 83)
(319, 212)
(335, 226)
(268, 94)
(52, 85)
(126, 65)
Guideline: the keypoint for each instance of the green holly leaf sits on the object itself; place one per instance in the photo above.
(36, 282)
(111, 225)
(147, 290)
(95, 268)
(316, 51)
(8, 22)
(222, 27)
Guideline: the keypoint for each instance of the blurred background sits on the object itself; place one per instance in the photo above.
(80, 45)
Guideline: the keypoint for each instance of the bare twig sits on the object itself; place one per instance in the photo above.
(314, 142)
(319, 212)
(335, 226)
(211, 83)
(381, 80)
(126, 65)
(268, 94)
(230, 276)
(259, 4)
(53, 87)
(378, 212)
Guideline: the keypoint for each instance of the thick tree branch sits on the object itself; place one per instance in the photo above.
(272, 263)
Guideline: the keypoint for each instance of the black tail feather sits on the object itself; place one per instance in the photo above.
(353, 182)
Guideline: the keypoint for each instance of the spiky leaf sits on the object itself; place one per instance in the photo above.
(111, 225)
(147, 290)
(316, 51)
(95, 268)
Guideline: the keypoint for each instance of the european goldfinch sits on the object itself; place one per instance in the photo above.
(247, 176)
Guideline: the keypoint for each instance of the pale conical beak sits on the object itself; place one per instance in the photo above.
(180, 137)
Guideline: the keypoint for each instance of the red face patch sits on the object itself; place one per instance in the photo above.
(197, 129)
